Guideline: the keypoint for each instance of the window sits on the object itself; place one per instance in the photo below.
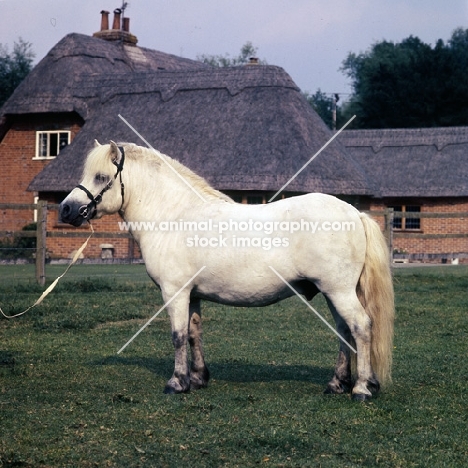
(413, 223)
(406, 223)
(397, 222)
(49, 144)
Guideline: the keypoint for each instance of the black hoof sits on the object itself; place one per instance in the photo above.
(373, 386)
(340, 388)
(168, 390)
(196, 384)
(177, 385)
(361, 397)
(199, 379)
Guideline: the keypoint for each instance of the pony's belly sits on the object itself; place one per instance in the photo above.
(259, 295)
(243, 298)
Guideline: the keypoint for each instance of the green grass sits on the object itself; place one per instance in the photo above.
(68, 400)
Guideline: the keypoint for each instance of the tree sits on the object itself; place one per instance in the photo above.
(323, 104)
(247, 51)
(14, 67)
(410, 84)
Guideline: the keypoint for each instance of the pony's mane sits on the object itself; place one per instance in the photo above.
(140, 153)
(196, 181)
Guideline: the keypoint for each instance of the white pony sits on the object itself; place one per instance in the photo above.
(198, 244)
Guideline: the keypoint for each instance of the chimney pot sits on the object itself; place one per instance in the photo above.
(104, 20)
(117, 13)
(120, 29)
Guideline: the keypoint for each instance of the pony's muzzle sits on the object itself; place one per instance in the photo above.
(73, 215)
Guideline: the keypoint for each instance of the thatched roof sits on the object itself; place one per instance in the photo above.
(425, 162)
(243, 128)
(54, 82)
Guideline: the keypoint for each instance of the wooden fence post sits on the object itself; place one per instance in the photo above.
(388, 229)
(41, 244)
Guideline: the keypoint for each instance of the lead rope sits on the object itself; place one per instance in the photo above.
(52, 286)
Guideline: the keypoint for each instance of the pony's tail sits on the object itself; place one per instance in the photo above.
(375, 291)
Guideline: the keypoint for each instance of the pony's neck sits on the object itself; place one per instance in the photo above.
(160, 188)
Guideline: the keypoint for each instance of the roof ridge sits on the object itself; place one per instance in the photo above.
(440, 137)
(169, 83)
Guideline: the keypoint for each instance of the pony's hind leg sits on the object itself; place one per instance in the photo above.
(351, 311)
(199, 374)
(342, 379)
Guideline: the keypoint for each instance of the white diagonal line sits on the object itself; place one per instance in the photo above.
(162, 159)
(312, 309)
(311, 159)
(161, 309)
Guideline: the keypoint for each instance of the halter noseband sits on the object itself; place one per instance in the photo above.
(89, 210)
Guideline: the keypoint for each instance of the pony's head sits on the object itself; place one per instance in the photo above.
(97, 194)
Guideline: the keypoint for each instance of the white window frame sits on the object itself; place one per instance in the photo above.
(49, 132)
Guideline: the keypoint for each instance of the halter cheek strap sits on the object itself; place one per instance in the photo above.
(89, 210)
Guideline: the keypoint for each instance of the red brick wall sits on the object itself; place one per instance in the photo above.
(18, 166)
(433, 226)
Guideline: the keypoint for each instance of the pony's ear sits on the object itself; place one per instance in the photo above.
(115, 153)
(96, 143)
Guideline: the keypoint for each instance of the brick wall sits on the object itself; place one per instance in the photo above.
(17, 153)
(433, 226)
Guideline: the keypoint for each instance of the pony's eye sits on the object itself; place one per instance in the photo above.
(101, 178)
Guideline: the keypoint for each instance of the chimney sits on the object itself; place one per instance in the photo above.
(253, 61)
(120, 31)
(126, 24)
(104, 20)
(117, 13)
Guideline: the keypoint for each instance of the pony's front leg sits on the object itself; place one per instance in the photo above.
(179, 314)
(342, 380)
(199, 374)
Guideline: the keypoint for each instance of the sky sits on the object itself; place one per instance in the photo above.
(308, 38)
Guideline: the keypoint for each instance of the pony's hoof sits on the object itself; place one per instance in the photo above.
(338, 388)
(177, 384)
(168, 390)
(333, 391)
(373, 386)
(361, 397)
(174, 387)
(197, 383)
(199, 379)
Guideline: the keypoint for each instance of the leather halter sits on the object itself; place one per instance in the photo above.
(88, 211)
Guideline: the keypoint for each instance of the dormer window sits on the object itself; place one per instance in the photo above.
(50, 143)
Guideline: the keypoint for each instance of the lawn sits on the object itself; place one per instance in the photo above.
(68, 400)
